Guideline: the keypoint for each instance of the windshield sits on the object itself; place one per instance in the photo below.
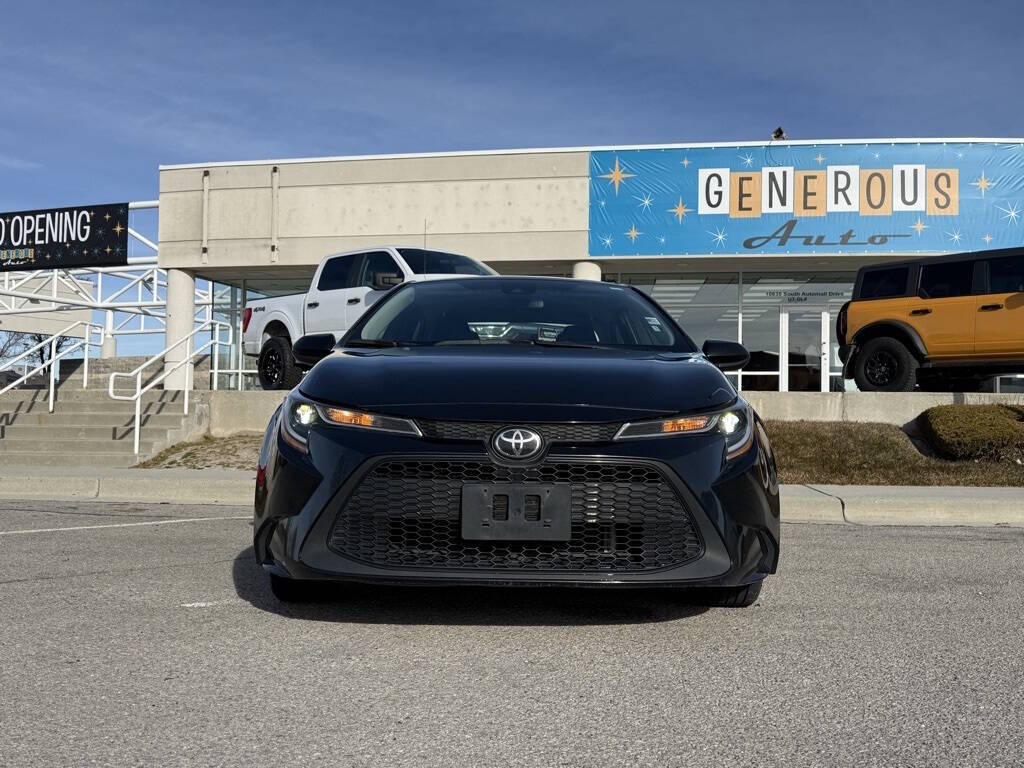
(423, 262)
(518, 311)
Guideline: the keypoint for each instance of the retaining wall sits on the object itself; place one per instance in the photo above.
(224, 413)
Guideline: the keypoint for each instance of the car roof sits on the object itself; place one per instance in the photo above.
(925, 260)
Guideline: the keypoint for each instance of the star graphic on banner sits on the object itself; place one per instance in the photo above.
(685, 162)
(632, 234)
(617, 175)
(877, 155)
(1012, 212)
(748, 160)
(954, 236)
(959, 155)
(987, 238)
(99, 233)
(117, 250)
(718, 236)
(820, 158)
(982, 183)
(661, 239)
(645, 201)
(108, 250)
(680, 210)
(106, 217)
(919, 226)
(606, 241)
(602, 203)
(119, 229)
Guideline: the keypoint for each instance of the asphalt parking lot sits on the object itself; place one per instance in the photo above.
(125, 642)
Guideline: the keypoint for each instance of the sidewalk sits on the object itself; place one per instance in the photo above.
(857, 504)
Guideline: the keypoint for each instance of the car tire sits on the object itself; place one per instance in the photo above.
(729, 597)
(884, 364)
(289, 590)
(276, 366)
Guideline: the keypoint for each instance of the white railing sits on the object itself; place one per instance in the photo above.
(53, 363)
(191, 351)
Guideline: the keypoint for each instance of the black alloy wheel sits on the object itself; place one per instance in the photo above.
(276, 366)
(884, 364)
(880, 368)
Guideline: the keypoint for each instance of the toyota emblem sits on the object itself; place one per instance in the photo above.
(518, 443)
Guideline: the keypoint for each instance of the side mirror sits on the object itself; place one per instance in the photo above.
(385, 281)
(311, 349)
(727, 355)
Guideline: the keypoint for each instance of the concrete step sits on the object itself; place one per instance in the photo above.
(94, 405)
(47, 431)
(59, 420)
(85, 447)
(67, 459)
(76, 394)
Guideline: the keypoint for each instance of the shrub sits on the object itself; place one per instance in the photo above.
(987, 432)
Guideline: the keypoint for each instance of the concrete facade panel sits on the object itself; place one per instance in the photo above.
(181, 217)
(520, 205)
(239, 213)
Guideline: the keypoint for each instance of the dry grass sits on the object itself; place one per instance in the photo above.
(873, 454)
(237, 452)
(806, 451)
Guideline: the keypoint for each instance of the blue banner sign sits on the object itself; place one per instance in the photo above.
(783, 198)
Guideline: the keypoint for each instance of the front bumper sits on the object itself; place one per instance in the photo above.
(733, 510)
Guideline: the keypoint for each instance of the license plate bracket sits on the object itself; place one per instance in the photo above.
(516, 512)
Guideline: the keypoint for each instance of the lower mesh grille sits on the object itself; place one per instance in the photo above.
(625, 517)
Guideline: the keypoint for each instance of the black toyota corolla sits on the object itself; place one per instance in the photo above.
(518, 431)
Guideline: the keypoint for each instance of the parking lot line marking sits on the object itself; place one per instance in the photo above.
(123, 525)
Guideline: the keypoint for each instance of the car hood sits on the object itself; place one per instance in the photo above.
(538, 383)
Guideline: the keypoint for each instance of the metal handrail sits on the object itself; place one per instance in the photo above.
(186, 361)
(53, 364)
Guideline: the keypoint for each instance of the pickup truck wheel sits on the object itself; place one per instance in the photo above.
(885, 365)
(276, 366)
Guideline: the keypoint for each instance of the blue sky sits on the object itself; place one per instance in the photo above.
(94, 95)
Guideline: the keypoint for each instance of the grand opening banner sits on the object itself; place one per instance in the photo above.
(784, 198)
(60, 238)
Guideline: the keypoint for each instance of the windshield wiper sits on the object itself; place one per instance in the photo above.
(566, 344)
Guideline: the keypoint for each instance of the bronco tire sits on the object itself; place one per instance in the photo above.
(885, 365)
(276, 366)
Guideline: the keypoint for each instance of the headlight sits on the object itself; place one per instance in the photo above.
(737, 426)
(734, 424)
(300, 414)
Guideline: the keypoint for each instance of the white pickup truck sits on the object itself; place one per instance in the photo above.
(343, 287)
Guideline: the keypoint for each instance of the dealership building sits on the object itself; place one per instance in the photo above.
(753, 242)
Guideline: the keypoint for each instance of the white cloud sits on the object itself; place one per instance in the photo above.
(11, 163)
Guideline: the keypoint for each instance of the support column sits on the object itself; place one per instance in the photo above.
(586, 270)
(109, 347)
(181, 310)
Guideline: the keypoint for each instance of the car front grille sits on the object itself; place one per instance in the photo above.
(552, 432)
(625, 517)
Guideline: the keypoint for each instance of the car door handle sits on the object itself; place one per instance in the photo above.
(313, 304)
(920, 312)
(354, 301)
(989, 307)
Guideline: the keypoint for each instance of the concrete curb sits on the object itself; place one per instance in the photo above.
(168, 486)
(829, 504)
